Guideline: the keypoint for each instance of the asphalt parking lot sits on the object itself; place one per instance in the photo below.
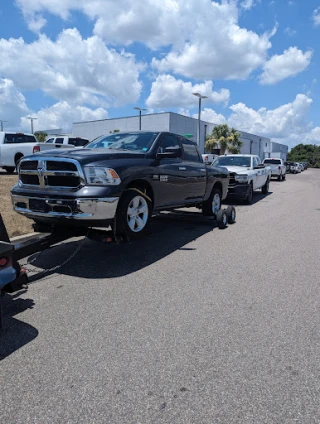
(190, 324)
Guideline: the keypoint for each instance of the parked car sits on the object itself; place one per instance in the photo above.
(298, 167)
(122, 186)
(63, 139)
(292, 167)
(278, 168)
(247, 174)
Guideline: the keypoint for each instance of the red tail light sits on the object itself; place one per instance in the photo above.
(36, 149)
(279, 167)
(4, 261)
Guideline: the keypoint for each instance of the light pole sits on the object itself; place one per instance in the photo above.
(31, 119)
(199, 115)
(2, 121)
(140, 110)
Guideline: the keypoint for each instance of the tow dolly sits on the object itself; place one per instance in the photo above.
(13, 277)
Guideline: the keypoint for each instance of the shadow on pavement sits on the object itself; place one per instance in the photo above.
(166, 234)
(15, 333)
(257, 197)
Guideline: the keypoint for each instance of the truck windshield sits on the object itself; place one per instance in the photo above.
(139, 142)
(272, 161)
(232, 161)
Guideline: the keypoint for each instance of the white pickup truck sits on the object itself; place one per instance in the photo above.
(66, 140)
(278, 168)
(16, 145)
(247, 174)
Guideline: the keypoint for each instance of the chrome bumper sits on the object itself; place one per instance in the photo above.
(73, 209)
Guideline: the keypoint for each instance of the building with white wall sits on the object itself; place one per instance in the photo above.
(179, 124)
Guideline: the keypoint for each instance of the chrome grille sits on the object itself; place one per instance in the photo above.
(51, 173)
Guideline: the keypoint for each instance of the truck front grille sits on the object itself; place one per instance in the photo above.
(232, 180)
(51, 173)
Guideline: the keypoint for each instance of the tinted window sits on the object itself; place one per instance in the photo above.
(190, 151)
(59, 140)
(139, 142)
(78, 141)
(50, 140)
(168, 140)
(19, 138)
(273, 161)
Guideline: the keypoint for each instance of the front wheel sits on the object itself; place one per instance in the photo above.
(249, 195)
(212, 206)
(132, 214)
(231, 213)
(9, 169)
(265, 188)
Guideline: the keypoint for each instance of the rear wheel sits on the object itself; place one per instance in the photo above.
(132, 214)
(222, 219)
(212, 206)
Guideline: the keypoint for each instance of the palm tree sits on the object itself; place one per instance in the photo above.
(224, 137)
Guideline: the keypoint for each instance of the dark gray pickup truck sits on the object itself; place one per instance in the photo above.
(120, 180)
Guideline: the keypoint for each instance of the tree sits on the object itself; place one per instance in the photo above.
(306, 153)
(41, 136)
(225, 138)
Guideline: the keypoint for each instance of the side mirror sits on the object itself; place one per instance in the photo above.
(260, 166)
(170, 152)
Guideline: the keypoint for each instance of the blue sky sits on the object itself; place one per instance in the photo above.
(64, 61)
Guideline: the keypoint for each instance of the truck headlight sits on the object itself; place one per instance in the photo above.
(241, 178)
(97, 175)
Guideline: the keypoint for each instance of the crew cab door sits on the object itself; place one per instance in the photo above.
(168, 176)
(261, 173)
(195, 181)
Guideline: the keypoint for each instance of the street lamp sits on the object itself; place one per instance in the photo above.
(199, 115)
(31, 119)
(2, 121)
(140, 110)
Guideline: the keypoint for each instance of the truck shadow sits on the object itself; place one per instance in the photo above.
(257, 197)
(166, 234)
(15, 333)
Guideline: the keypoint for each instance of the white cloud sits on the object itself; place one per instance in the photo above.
(205, 38)
(314, 136)
(14, 110)
(167, 91)
(12, 104)
(316, 16)
(73, 69)
(247, 4)
(62, 115)
(210, 115)
(290, 63)
(290, 32)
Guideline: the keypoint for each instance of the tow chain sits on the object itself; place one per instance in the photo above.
(54, 268)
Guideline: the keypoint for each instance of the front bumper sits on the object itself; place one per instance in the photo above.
(76, 209)
(239, 191)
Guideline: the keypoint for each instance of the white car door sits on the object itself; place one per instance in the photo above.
(257, 173)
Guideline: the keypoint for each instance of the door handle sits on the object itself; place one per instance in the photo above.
(182, 168)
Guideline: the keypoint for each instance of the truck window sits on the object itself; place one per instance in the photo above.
(50, 140)
(168, 140)
(59, 140)
(272, 161)
(190, 151)
(19, 138)
(255, 161)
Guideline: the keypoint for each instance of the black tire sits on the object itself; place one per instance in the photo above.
(265, 188)
(283, 177)
(122, 226)
(222, 219)
(207, 206)
(231, 213)
(280, 177)
(249, 195)
(9, 169)
(17, 160)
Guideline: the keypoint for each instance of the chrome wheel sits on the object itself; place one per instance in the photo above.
(216, 203)
(137, 214)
